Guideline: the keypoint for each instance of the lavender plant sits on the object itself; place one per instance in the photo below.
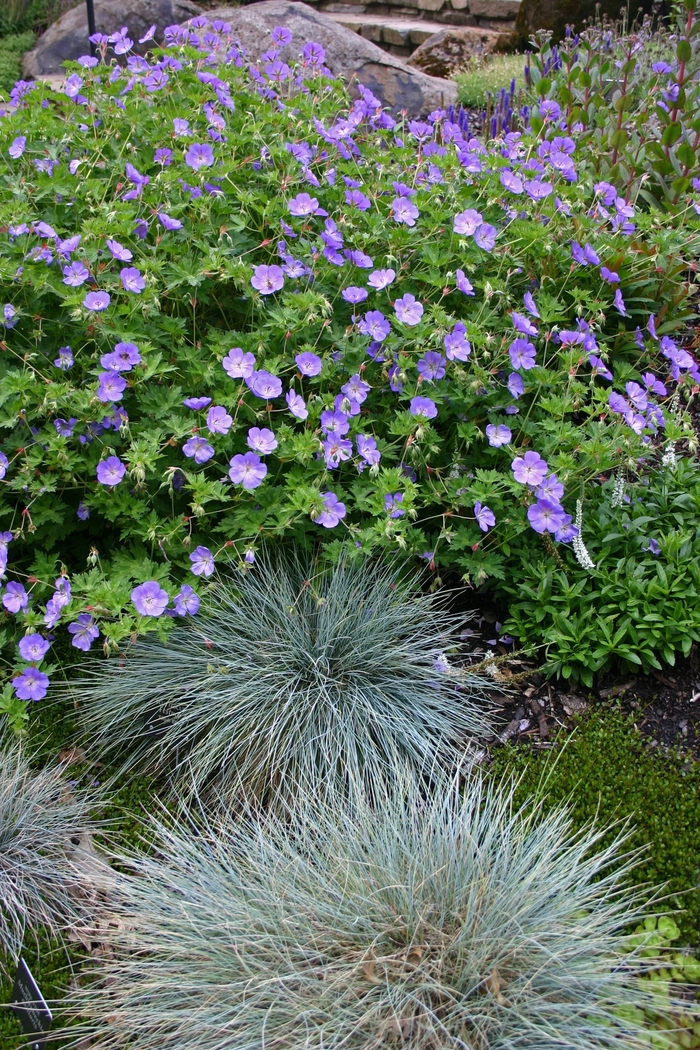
(238, 307)
(40, 885)
(449, 921)
(291, 675)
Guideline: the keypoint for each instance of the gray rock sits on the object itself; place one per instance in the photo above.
(447, 52)
(68, 37)
(348, 55)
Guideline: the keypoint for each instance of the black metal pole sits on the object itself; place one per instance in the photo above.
(91, 25)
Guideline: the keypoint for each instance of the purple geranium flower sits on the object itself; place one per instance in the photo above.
(247, 470)
(423, 407)
(522, 354)
(334, 422)
(516, 385)
(530, 304)
(297, 405)
(268, 279)
(265, 385)
(356, 199)
(356, 390)
(119, 252)
(336, 449)
(15, 598)
(96, 301)
(33, 648)
(457, 346)
(17, 147)
(198, 449)
(8, 314)
(75, 274)
(238, 365)
(620, 303)
(354, 295)
(196, 403)
(498, 435)
(485, 518)
(261, 440)
(464, 285)
(529, 469)
(4, 464)
(375, 324)
(303, 204)
(83, 511)
(467, 222)
(218, 420)
(64, 427)
(545, 516)
(431, 366)
(367, 449)
(84, 632)
(392, 504)
(199, 155)
(150, 599)
(32, 684)
(485, 236)
(132, 280)
(404, 210)
(111, 387)
(408, 309)
(168, 222)
(202, 561)
(381, 279)
(309, 364)
(122, 359)
(186, 602)
(551, 489)
(110, 471)
(523, 324)
(332, 513)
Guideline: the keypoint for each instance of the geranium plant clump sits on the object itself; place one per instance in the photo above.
(238, 306)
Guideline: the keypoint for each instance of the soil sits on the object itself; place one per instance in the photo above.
(665, 704)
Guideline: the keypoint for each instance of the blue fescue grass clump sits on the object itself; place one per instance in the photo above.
(291, 674)
(451, 921)
(40, 885)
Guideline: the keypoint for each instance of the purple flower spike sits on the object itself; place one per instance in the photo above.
(529, 469)
(110, 471)
(84, 632)
(96, 301)
(332, 513)
(33, 648)
(150, 599)
(423, 407)
(202, 561)
(32, 684)
(199, 155)
(267, 279)
(247, 470)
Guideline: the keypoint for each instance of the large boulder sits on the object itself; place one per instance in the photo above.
(448, 51)
(556, 15)
(348, 55)
(68, 37)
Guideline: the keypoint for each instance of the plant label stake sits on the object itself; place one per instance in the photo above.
(30, 1005)
(91, 25)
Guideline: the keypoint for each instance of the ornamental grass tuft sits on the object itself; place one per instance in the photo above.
(40, 883)
(291, 674)
(449, 921)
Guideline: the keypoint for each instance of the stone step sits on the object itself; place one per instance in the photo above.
(399, 36)
(376, 19)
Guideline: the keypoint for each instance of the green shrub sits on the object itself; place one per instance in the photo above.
(605, 772)
(290, 676)
(452, 921)
(40, 886)
(640, 604)
(115, 482)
